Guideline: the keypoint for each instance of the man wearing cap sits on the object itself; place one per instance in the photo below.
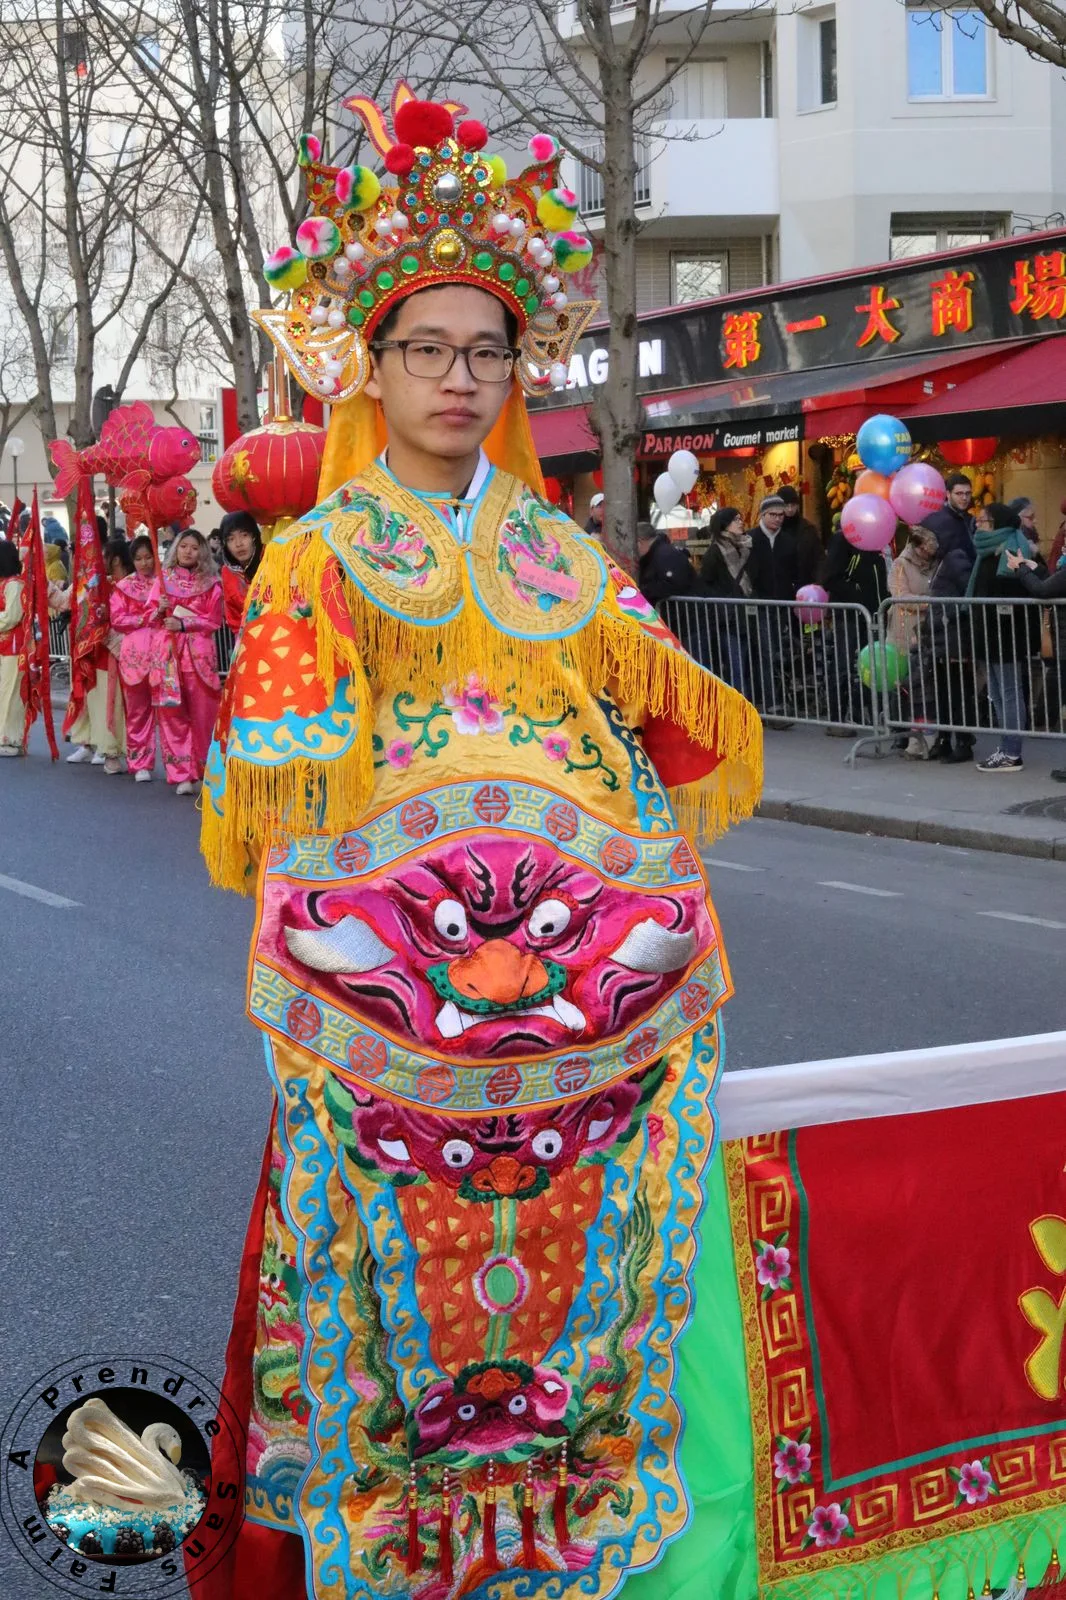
(594, 525)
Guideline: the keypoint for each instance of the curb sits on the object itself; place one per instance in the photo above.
(882, 825)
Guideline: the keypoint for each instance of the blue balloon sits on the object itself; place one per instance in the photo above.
(883, 444)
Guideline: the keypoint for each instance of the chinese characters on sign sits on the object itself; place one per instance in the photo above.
(740, 339)
(953, 302)
(876, 312)
(1039, 286)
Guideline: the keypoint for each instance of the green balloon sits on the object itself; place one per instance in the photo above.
(883, 666)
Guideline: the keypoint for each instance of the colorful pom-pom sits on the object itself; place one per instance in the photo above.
(498, 167)
(357, 188)
(400, 159)
(557, 209)
(542, 147)
(286, 268)
(309, 149)
(472, 135)
(423, 123)
(572, 251)
(318, 237)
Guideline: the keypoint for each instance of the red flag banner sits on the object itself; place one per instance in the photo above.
(89, 607)
(34, 646)
(902, 1280)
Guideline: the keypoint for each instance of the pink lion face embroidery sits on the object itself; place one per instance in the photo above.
(495, 949)
(513, 1155)
(491, 1410)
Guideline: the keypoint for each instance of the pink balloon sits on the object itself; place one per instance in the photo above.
(815, 600)
(868, 522)
(916, 491)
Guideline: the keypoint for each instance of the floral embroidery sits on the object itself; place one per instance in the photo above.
(975, 1483)
(555, 747)
(773, 1264)
(792, 1461)
(386, 542)
(828, 1525)
(400, 753)
(523, 537)
(474, 708)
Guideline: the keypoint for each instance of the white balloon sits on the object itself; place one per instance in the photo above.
(665, 492)
(684, 468)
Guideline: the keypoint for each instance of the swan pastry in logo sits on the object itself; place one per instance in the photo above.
(128, 1497)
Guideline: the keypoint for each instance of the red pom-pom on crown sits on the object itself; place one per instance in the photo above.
(400, 159)
(423, 122)
(472, 135)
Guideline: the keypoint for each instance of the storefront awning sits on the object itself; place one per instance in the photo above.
(564, 440)
(901, 388)
(1022, 392)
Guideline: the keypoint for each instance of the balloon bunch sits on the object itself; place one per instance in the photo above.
(680, 478)
(892, 487)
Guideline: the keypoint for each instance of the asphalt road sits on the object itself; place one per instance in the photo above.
(135, 1092)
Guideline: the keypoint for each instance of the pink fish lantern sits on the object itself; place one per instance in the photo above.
(868, 522)
(172, 500)
(172, 451)
(916, 491)
(811, 602)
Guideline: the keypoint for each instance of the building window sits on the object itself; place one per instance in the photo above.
(60, 340)
(816, 59)
(697, 277)
(948, 53)
(925, 235)
(74, 47)
(146, 49)
(698, 91)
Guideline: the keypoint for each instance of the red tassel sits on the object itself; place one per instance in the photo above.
(489, 1546)
(562, 1532)
(529, 1522)
(446, 1562)
(414, 1548)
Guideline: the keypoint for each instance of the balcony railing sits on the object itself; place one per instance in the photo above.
(590, 182)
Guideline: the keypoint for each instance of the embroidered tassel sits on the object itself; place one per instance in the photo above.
(1053, 1575)
(445, 1558)
(562, 1532)
(492, 1560)
(529, 1521)
(1017, 1588)
(414, 1547)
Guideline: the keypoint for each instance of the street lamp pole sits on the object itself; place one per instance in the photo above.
(15, 447)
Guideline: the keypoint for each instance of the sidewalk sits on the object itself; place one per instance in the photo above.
(808, 781)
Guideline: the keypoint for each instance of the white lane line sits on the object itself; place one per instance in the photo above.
(861, 888)
(731, 866)
(30, 891)
(1016, 916)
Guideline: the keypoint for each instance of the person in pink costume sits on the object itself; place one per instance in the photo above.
(134, 602)
(188, 601)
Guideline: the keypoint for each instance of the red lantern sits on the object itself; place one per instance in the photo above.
(553, 490)
(597, 477)
(967, 452)
(271, 471)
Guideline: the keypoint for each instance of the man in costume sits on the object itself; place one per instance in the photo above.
(450, 760)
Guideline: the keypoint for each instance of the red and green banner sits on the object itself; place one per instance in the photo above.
(89, 607)
(35, 674)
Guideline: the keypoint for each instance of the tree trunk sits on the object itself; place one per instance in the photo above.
(617, 408)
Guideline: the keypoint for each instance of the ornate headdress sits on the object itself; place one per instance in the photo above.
(453, 217)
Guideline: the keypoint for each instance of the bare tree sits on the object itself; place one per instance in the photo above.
(76, 171)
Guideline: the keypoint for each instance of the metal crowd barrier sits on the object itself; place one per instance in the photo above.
(975, 665)
(791, 670)
(932, 665)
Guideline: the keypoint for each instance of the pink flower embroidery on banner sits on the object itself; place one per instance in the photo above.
(828, 1525)
(473, 708)
(792, 1463)
(773, 1265)
(655, 1129)
(555, 747)
(399, 753)
(975, 1483)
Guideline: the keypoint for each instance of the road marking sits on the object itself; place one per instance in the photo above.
(1016, 916)
(732, 866)
(862, 888)
(30, 891)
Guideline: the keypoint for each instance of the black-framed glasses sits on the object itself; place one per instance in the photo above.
(432, 358)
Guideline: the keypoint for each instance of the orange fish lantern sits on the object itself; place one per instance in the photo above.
(271, 472)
